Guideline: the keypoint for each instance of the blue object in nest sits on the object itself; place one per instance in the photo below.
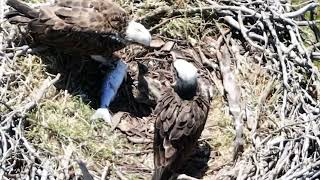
(111, 83)
(110, 86)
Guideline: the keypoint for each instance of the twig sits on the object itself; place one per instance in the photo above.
(233, 96)
(105, 172)
(139, 140)
(301, 172)
(301, 11)
(137, 152)
(119, 173)
(162, 23)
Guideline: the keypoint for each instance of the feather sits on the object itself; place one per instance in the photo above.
(23, 8)
(178, 126)
(90, 27)
(181, 114)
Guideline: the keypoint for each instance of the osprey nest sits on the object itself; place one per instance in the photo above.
(261, 56)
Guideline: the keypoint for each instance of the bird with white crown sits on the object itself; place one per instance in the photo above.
(180, 114)
(83, 27)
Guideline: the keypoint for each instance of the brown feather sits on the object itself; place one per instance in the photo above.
(75, 26)
(180, 122)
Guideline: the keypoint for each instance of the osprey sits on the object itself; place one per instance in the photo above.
(83, 27)
(90, 27)
(181, 114)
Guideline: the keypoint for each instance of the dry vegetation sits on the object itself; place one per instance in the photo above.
(46, 99)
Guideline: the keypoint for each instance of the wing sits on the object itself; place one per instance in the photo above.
(102, 16)
(177, 128)
(87, 25)
(163, 124)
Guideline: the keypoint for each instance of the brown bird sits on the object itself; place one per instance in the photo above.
(181, 114)
(91, 27)
(83, 27)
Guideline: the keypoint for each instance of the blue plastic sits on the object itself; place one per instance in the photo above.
(111, 83)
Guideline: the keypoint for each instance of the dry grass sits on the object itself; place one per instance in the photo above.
(63, 120)
(220, 133)
(184, 28)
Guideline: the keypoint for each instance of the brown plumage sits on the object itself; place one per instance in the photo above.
(94, 27)
(179, 123)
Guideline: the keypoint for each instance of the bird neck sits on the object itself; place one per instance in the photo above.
(186, 90)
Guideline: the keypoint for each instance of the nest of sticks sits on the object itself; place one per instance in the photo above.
(261, 56)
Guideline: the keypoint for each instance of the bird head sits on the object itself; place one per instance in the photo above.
(137, 33)
(186, 75)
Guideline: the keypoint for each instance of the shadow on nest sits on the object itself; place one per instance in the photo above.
(83, 76)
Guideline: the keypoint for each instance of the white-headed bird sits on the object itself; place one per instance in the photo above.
(181, 114)
(83, 27)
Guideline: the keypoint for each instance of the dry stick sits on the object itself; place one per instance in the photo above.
(314, 46)
(213, 7)
(1, 21)
(44, 174)
(303, 171)
(233, 95)
(287, 161)
(244, 33)
(285, 155)
(30, 148)
(66, 160)
(236, 24)
(6, 105)
(139, 140)
(31, 104)
(105, 172)
(162, 23)
(284, 103)
(119, 173)
(261, 100)
(301, 11)
(307, 23)
(296, 123)
(155, 13)
(4, 142)
(283, 65)
(314, 70)
(294, 40)
(22, 110)
(33, 172)
(279, 52)
(137, 152)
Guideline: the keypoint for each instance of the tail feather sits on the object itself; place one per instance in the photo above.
(17, 18)
(163, 173)
(22, 9)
